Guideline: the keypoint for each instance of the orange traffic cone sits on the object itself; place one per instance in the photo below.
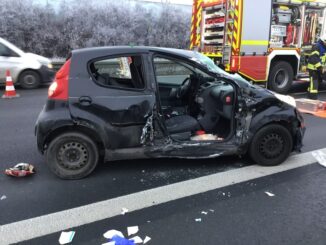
(10, 88)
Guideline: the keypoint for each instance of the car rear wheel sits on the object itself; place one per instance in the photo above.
(271, 145)
(29, 79)
(72, 155)
(281, 77)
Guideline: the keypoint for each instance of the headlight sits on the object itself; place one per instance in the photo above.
(286, 99)
(50, 66)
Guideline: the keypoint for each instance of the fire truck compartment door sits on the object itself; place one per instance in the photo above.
(256, 24)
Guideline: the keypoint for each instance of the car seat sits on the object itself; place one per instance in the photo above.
(181, 124)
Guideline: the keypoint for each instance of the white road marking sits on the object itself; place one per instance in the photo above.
(67, 219)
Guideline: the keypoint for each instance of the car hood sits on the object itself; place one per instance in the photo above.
(39, 58)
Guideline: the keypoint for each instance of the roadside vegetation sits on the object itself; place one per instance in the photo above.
(54, 31)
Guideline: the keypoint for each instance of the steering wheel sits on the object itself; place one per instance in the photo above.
(184, 87)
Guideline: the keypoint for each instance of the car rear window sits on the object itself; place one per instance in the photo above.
(119, 72)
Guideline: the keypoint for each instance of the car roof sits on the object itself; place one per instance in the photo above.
(134, 49)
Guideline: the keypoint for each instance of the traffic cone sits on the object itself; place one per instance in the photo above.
(10, 88)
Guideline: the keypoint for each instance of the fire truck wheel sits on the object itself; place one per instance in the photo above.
(281, 77)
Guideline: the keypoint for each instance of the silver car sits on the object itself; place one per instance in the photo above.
(27, 69)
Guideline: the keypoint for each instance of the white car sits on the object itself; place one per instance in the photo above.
(27, 69)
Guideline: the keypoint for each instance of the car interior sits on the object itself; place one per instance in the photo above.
(195, 105)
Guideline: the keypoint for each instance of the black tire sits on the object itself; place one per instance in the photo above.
(271, 145)
(281, 77)
(29, 79)
(82, 151)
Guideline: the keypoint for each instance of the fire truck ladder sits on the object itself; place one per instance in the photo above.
(229, 21)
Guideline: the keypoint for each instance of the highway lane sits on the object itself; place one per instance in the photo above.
(43, 193)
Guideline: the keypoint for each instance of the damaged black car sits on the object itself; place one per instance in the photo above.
(116, 103)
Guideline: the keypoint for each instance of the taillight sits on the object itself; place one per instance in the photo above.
(59, 88)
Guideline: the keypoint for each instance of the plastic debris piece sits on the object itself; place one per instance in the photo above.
(203, 137)
(109, 243)
(320, 156)
(66, 237)
(3, 197)
(203, 212)
(20, 170)
(132, 230)
(122, 241)
(147, 239)
(148, 221)
(111, 233)
(269, 193)
(124, 211)
(212, 210)
(136, 239)
(198, 220)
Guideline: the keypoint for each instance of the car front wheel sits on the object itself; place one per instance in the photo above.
(271, 145)
(72, 155)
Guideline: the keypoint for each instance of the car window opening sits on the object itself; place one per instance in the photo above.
(196, 106)
(119, 72)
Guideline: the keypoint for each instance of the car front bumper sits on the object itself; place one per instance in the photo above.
(47, 74)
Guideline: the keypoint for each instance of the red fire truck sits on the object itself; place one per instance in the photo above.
(265, 41)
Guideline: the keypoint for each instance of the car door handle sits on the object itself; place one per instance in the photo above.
(85, 100)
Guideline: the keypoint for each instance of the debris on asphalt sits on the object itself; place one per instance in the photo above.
(132, 230)
(203, 212)
(3, 197)
(117, 238)
(66, 237)
(269, 193)
(109, 243)
(147, 239)
(20, 170)
(148, 221)
(122, 241)
(320, 156)
(198, 220)
(111, 233)
(124, 211)
(136, 239)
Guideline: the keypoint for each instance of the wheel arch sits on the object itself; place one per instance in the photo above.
(92, 134)
(290, 56)
(291, 59)
(27, 69)
(288, 124)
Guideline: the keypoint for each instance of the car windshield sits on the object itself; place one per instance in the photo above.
(210, 65)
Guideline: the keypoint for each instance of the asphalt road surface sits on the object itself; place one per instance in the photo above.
(244, 214)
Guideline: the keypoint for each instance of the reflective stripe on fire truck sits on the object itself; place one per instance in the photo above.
(254, 42)
(198, 21)
(195, 24)
(236, 27)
